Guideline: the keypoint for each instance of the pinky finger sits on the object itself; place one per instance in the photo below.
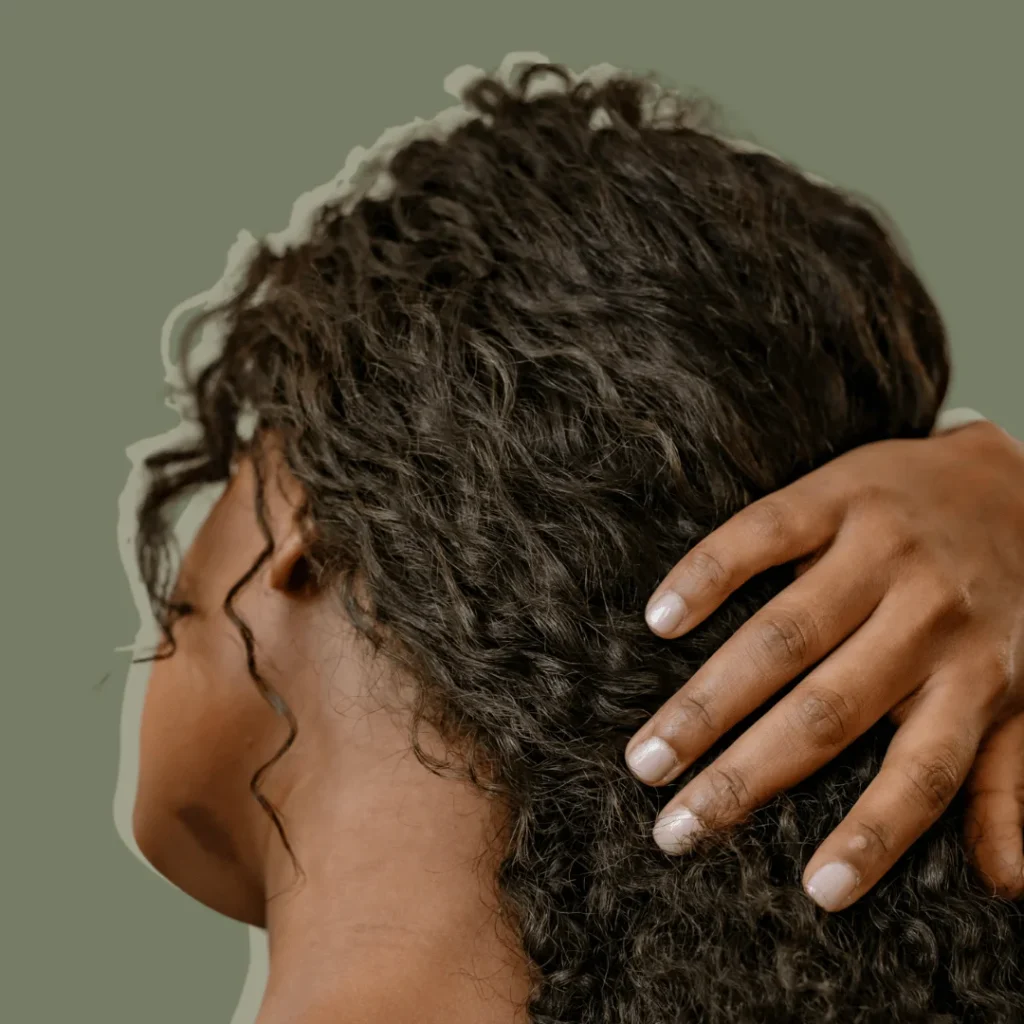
(994, 826)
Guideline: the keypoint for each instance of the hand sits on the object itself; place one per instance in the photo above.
(912, 556)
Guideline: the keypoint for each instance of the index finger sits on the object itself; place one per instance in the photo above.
(787, 525)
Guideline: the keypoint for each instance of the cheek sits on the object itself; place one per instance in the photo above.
(205, 732)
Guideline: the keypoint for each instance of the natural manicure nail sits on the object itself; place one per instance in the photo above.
(652, 760)
(831, 885)
(674, 831)
(664, 614)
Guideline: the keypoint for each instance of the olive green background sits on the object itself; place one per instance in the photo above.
(137, 139)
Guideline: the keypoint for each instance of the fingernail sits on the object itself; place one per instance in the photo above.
(673, 832)
(651, 760)
(831, 885)
(664, 614)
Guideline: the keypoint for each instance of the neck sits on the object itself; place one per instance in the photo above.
(394, 915)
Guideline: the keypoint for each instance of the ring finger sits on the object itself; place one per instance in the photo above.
(811, 617)
(822, 715)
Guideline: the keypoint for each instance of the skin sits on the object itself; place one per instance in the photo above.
(392, 916)
(909, 601)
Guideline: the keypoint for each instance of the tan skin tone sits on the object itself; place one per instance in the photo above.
(393, 917)
(909, 602)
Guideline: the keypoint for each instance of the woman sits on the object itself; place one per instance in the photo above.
(465, 426)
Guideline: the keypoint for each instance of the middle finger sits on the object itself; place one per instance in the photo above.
(823, 714)
(811, 617)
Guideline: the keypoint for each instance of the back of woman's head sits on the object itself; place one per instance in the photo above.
(574, 337)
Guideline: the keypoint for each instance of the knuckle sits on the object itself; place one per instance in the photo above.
(949, 604)
(868, 498)
(1018, 791)
(935, 779)
(956, 593)
(769, 521)
(1005, 673)
(1012, 886)
(784, 637)
(826, 716)
(996, 679)
(940, 605)
(891, 526)
(705, 570)
(875, 839)
(961, 600)
(904, 544)
(730, 789)
(689, 709)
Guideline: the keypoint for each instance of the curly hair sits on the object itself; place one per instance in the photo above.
(575, 336)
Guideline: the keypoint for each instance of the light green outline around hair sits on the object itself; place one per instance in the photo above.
(362, 175)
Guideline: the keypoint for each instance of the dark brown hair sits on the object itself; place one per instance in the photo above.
(516, 391)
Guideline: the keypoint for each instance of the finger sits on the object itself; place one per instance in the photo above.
(810, 618)
(926, 764)
(781, 528)
(994, 826)
(805, 730)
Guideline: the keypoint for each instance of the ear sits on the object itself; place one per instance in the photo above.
(289, 562)
(288, 519)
